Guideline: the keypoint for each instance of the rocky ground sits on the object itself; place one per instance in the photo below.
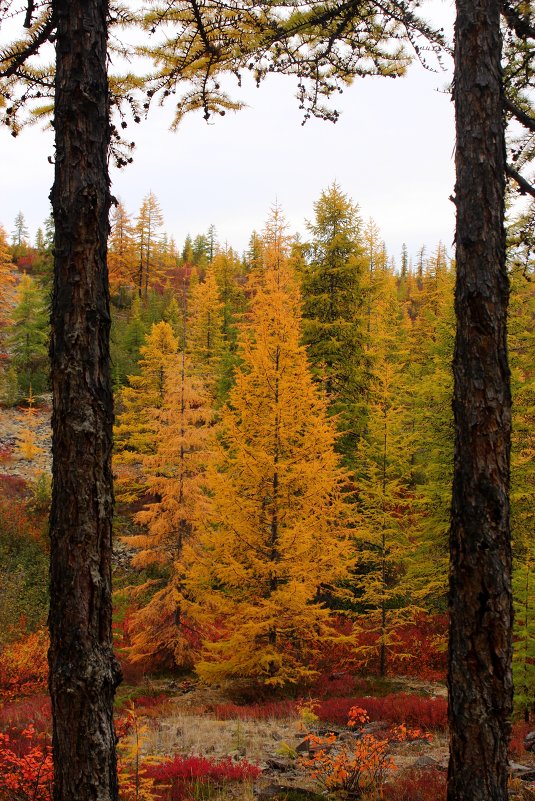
(187, 725)
(13, 422)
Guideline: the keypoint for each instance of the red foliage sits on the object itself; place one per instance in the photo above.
(6, 452)
(35, 709)
(415, 710)
(338, 684)
(25, 766)
(516, 745)
(419, 650)
(417, 785)
(274, 710)
(12, 487)
(428, 713)
(175, 776)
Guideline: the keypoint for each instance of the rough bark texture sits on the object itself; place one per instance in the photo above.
(83, 671)
(480, 683)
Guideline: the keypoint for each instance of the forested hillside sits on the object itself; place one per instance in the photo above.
(283, 455)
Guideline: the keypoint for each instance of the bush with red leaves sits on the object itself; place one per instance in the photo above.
(175, 777)
(417, 785)
(35, 709)
(415, 710)
(270, 710)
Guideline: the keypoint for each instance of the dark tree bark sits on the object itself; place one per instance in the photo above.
(83, 670)
(480, 682)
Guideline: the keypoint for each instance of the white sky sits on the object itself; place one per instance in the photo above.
(391, 151)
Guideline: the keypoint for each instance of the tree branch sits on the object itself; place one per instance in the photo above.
(29, 11)
(525, 119)
(30, 50)
(520, 25)
(525, 186)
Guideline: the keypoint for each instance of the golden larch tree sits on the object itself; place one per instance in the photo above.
(257, 577)
(134, 430)
(174, 474)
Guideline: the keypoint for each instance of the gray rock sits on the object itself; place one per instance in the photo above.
(279, 765)
(529, 741)
(425, 762)
(524, 772)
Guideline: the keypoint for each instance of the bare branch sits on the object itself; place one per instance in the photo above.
(525, 187)
(525, 119)
(29, 11)
(521, 26)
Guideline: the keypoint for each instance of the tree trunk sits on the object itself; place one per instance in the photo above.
(83, 670)
(480, 682)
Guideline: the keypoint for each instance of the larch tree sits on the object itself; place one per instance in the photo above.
(521, 340)
(174, 474)
(148, 223)
(479, 675)
(121, 249)
(386, 504)
(275, 544)
(83, 670)
(204, 336)
(28, 337)
(137, 402)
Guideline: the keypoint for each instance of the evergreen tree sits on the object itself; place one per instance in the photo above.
(20, 237)
(385, 501)
(275, 544)
(428, 384)
(149, 221)
(333, 311)
(29, 337)
(6, 280)
(121, 249)
(44, 263)
(174, 474)
(134, 430)
(204, 339)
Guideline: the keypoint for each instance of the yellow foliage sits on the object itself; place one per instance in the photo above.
(276, 539)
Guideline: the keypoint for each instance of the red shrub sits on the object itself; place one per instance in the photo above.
(275, 710)
(516, 745)
(6, 452)
(25, 766)
(417, 785)
(415, 710)
(34, 709)
(13, 487)
(174, 777)
(418, 649)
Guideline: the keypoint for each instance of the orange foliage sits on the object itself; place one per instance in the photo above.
(24, 667)
(25, 767)
(360, 767)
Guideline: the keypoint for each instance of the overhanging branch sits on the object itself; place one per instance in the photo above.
(525, 187)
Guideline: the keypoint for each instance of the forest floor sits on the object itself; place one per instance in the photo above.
(188, 721)
(13, 421)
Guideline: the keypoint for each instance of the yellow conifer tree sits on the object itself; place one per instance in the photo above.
(276, 540)
(27, 438)
(121, 249)
(134, 430)
(175, 475)
(204, 340)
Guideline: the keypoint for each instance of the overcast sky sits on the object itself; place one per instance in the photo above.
(391, 151)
